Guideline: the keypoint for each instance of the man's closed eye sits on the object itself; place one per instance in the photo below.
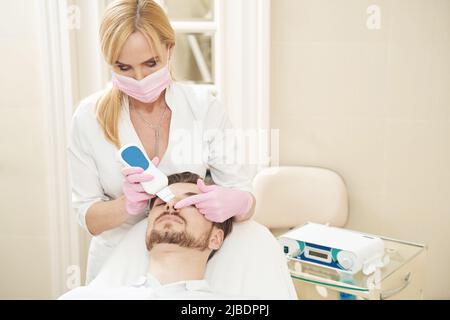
(163, 203)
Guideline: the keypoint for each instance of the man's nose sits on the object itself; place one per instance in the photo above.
(170, 206)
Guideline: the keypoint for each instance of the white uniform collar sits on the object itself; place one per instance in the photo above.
(150, 281)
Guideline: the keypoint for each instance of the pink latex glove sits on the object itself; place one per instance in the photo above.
(136, 199)
(218, 203)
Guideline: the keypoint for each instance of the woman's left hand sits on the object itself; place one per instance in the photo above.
(218, 203)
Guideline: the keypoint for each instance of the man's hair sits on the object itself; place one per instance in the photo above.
(189, 177)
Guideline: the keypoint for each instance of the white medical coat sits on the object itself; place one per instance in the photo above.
(197, 142)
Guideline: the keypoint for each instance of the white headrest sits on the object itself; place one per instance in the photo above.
(287, 197)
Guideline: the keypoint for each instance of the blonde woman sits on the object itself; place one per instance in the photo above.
(180, 128)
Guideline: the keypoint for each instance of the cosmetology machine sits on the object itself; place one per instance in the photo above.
(335, 248)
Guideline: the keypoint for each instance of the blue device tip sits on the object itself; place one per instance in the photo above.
(134, 157)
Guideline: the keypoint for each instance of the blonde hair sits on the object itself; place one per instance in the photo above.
(121, 19)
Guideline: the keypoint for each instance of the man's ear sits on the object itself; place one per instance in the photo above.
(216, 239)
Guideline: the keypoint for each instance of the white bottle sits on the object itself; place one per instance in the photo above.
(131, 155)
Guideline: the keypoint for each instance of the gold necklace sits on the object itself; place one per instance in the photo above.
(155, 128)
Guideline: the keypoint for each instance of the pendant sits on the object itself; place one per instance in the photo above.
(157, 142)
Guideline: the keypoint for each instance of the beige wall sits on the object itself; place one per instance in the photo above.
(375, 107)
(24, 220)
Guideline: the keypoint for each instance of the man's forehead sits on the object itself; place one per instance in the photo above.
(181, 188)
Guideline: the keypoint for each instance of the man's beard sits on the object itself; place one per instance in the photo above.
(182, 238)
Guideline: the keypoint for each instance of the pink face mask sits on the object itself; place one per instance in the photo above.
(146, 90)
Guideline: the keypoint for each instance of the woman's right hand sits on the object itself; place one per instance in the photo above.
(136, 199)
